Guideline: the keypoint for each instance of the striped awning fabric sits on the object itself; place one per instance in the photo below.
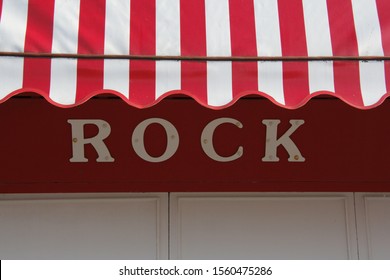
(214, 51)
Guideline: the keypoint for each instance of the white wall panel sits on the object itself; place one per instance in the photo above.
(202, 226)
(121, 226)
(262, 226)
(373, 221)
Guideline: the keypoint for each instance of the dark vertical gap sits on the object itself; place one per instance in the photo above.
(169, 225)
(356, 225)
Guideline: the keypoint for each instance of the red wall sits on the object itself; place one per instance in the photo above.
(345, 149)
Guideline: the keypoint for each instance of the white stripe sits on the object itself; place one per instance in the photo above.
(117, 27)
(116, 76)
(372, 74)
(267, 28)
(321, 77)
(270, 74)
(65, 40)
(168, 73)
(168, 76)
(367, 26)
(168, 27)
(63, 80)
(317, 28)
(117, 72)
(11, 75)
(219, 83)
(13, 26)
(219, 74)
(66, 26)
(218, 28)
(270, 77)
(372, 81)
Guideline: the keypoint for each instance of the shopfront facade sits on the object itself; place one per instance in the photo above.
(161, 130)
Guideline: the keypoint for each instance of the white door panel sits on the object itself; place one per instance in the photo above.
(202, 226)
(373, 221)
(262, 226)
(121, 226)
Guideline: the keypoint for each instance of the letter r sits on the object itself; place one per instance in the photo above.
(79, 141)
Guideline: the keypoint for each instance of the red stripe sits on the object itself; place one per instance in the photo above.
(91, 27)
(39, 32)
(193, 28)
(1, 8)
(242, 28)
(342, 28)
(293, 40)
(344, 43)
(193, 43)
(143, 27)
(347, 84)
(243, 43)
(383, 7)
(39, 36)
(90, 40)
(142, 42)
(387, 75)
(292, 28)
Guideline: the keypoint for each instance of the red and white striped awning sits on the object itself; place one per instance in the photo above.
(215, 51)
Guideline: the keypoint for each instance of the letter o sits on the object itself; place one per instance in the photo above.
(139, 145)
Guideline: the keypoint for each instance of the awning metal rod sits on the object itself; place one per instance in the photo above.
(195, 58)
